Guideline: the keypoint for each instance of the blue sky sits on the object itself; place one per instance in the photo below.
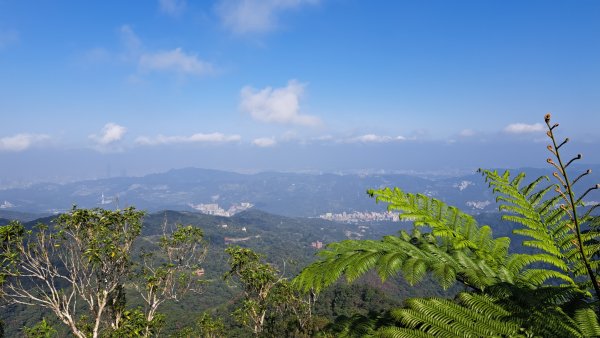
(292, 84)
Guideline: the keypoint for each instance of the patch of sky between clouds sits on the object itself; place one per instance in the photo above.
(8, 37)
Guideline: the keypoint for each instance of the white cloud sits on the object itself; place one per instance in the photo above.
(279, 105)
(172, 7)
(111, 133)
(255, 16)
(264, 142)
(20, 142)
(8, 37)
(133, 52)
(130, 41)
(372, 138)
(466, 133)
(523, 128)
(175, 60)
(195, 138)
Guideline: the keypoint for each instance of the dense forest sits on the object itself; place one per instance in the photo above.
(284, 242)
(529, 271)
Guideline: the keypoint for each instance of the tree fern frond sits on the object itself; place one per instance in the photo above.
(445, 273)
(540, 276)
(545, 246)
(529, 190)
(539, 236)
(518, 261)
(358, 265)
(527, 222)
(551, 322)
(414, 270)
(524, 211)
(390, 264)
(473, 316)
(483, 304)
(456, 246)
(537, 197)
(579, 268)
(588, 322)
(400, 332)
(355, 326)
(422, 321)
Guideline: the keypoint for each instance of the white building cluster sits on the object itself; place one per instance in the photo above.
(215, 210)
(6, 205)
(359, 217)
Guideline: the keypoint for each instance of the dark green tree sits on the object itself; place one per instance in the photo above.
(85, 258)
(257, 280)
(269, 298)
(172, 271)
(206, 326)
(41, 330)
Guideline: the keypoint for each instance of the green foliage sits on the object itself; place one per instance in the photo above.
(269, 299)
(173, 270)
(134, 323)
(543, 225)
(358, 298)
(104, 237)
(356, 325)
(210, 327)
(10, 237)
(472, 316)
(545, 292)
(281, 239)
(41, 330)
(454, 249)
(587, 322)
(85, 258)
(206, 326)
(257, 280)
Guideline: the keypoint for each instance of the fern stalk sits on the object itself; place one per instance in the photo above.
(571, 201)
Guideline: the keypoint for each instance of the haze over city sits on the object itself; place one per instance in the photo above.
(114, 88)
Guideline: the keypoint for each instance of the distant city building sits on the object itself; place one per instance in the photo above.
(478, 204)
(215, 210)
(359, 217)
(104, 201)
(6, 205)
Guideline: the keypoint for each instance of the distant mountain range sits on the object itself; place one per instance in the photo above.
(289, 194)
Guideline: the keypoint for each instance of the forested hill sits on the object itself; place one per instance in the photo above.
(286, 242)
